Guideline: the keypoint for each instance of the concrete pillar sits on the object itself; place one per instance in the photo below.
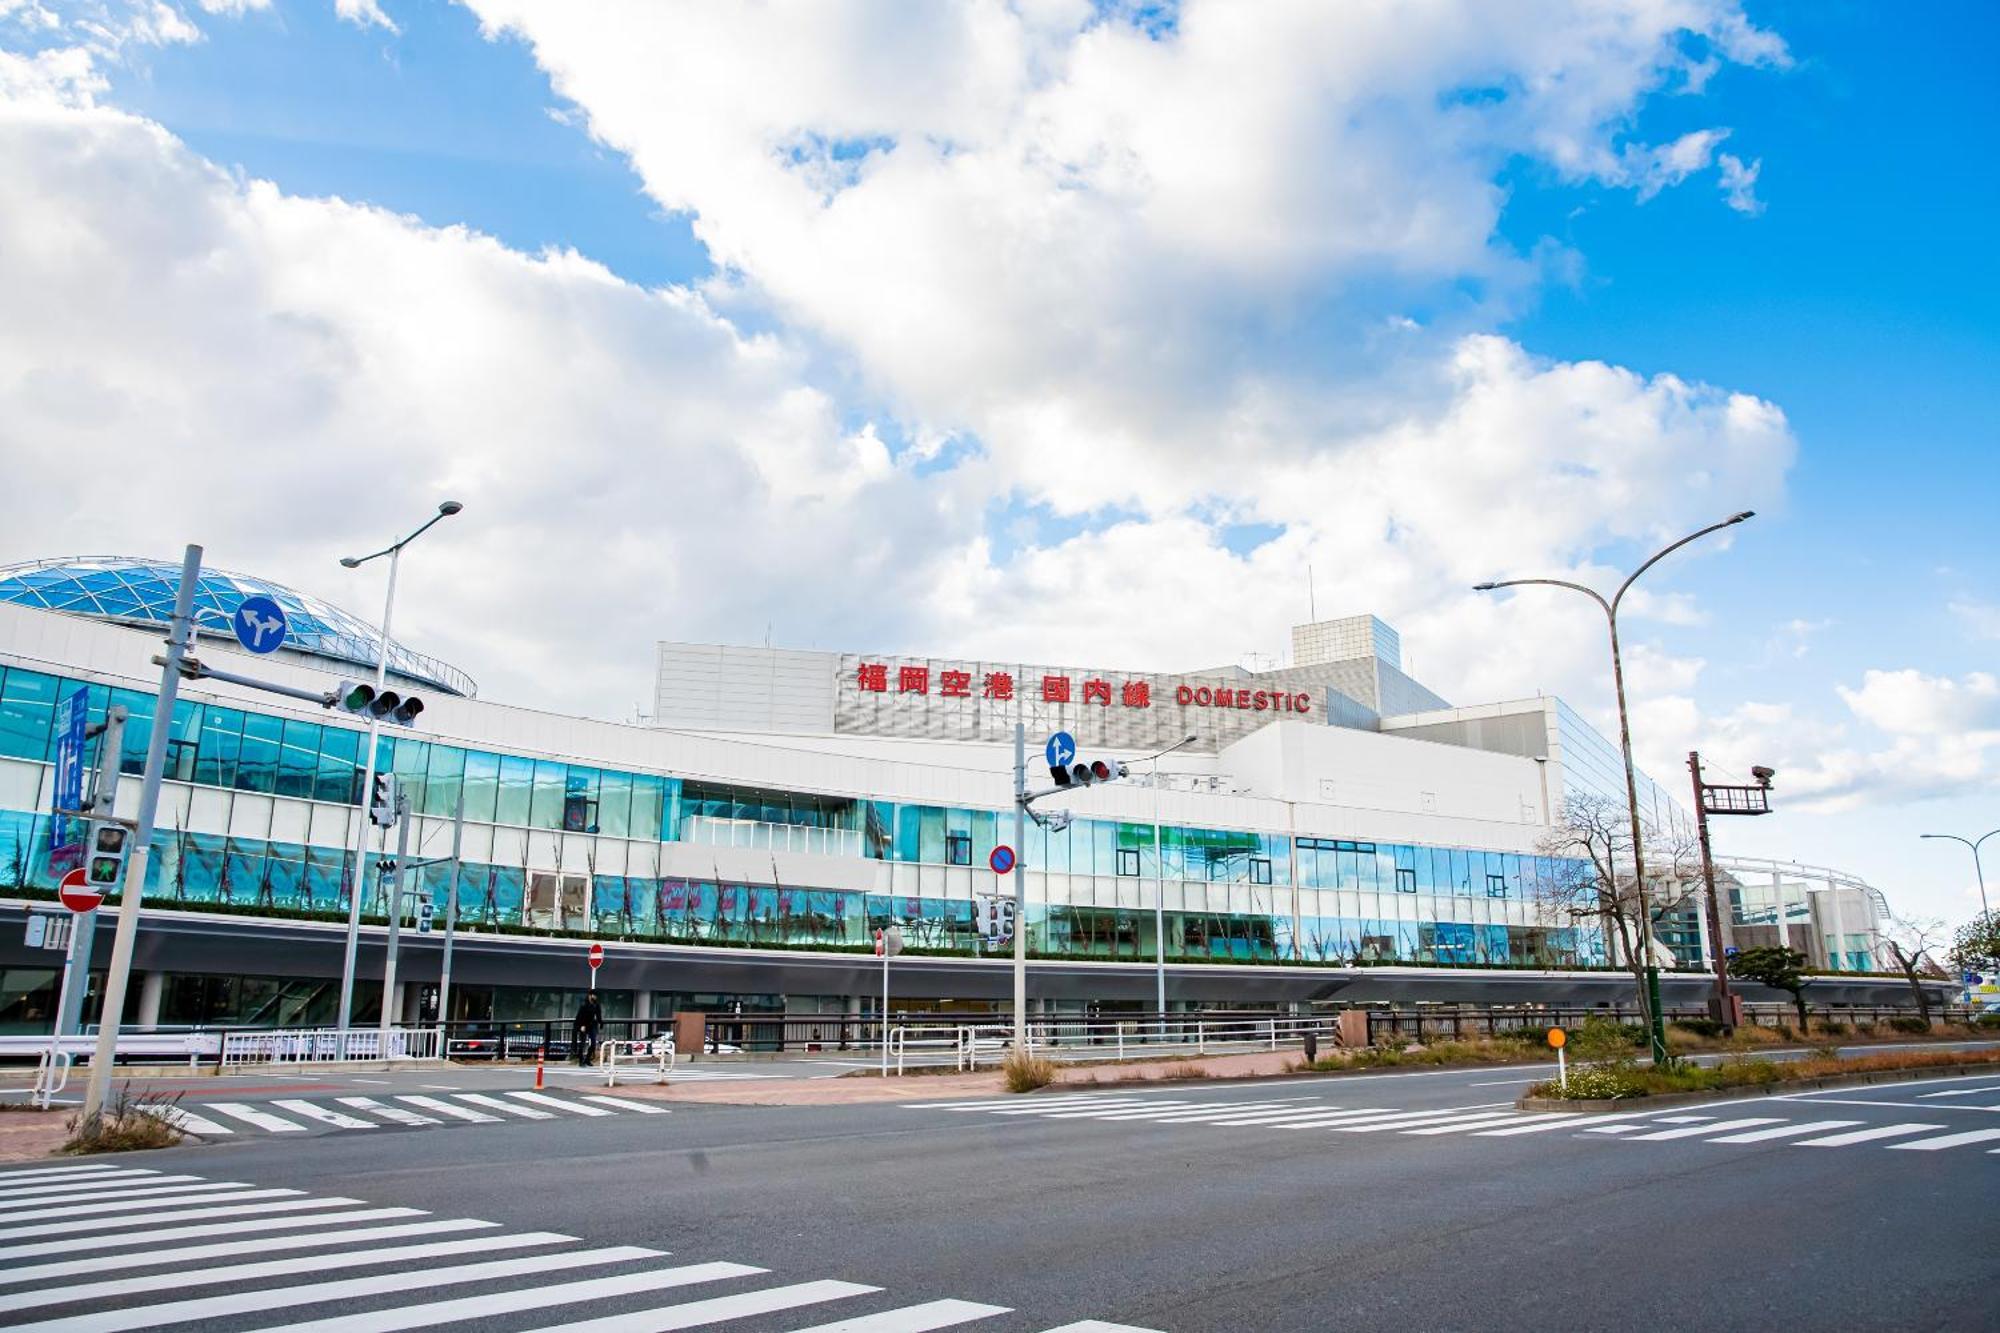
(152, 986)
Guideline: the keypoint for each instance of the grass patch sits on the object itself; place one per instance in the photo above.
(128, 1124)
(1624, 1079)
(1186, 1069)
(1486, 1051)
(1027, 1071)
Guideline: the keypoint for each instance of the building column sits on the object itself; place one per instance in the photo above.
(152, 987)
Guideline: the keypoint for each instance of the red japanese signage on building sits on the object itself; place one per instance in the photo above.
(874, 678)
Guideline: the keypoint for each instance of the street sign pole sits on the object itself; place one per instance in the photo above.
(103, 800)
(142, 851)
(393, 884)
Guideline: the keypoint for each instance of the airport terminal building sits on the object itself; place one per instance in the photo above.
(1334, 829)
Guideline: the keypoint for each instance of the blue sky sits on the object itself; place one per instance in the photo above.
(1857, 300)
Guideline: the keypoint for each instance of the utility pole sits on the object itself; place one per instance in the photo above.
(451, 911)
(179, 632)
(1718, 799)
(1020, 886)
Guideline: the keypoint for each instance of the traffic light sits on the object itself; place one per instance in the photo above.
(107, 853)
(364, 700)
(382, 800)
(1085, 772)
(425, 913)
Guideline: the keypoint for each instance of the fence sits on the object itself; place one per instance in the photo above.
(329, 1045)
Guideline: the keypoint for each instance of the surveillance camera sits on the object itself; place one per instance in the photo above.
(1763, 774)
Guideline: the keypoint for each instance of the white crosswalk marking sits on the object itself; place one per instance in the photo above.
(164, 1235)
(183, 1119)
(102, 1180)
(1058, 1107)
(41, 1173)
(1099, 1326)
(376, 1284)
(511, 1108)
(232, 1209)
(620, 1104)
(535, 1298)
(1691, 1131)
(318, 1263)
(1464, 1126)
(1274, 1117)
(913, 1318)
(543, 1099)
(339, 1120)
(1785, 1131)
(250, 1115)
(1562, 1120)
(1152, 1109)
(1948, 1140)
(103, 1263)
(177, 1195)
(83, 1189)
(1415, 1118)
(386, 1111)
(452, 1109)
(137, 1189)
(715, 1310)
(1865, 1135)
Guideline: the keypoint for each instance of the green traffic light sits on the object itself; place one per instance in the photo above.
(104, 869)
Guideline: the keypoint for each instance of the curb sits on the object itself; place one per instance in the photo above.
(1858, 1080)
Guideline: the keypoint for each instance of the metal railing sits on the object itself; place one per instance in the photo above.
(329, 1046)
(51, 1077)
(659, 1052)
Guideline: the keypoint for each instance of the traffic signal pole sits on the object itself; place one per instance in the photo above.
(178, 634)
(393, 895)
(354, 880)
(1723, 1014)
(1020, 886)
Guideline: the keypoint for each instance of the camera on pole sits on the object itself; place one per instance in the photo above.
(364, 700)
(382, 801)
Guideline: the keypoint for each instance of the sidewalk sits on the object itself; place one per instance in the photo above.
(940, 1087)
(28, 1135)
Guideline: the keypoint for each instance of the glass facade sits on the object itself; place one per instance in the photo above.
(1226, 894)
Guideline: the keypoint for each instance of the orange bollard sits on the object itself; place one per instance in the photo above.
(540, 1051)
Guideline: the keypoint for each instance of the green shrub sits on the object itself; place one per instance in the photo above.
(1699, 1027)
(1909, 1023)
(1605, 1039)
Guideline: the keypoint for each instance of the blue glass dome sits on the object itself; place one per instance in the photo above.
(135, 591)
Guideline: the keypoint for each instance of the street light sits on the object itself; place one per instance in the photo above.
(1610, 610)
(1984, 910)
(1160, 889)
(395, 554)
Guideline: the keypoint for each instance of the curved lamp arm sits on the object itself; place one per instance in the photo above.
(1665, 551)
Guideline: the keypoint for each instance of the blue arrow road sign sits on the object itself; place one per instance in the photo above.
(71, 723)
(1061, 749)
(260, 624)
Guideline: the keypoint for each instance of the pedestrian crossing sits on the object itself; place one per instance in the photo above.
(300, 1115)
(1788, 1124)
(146, 1254)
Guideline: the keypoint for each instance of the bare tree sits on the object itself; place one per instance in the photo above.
(1910, 941)
(1594, 883)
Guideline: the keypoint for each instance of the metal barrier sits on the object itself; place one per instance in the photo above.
(51, 1077)
(611, 1054)
(329, 1046)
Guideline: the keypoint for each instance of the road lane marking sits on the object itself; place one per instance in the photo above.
(326, 1115)
(1864, 1135)
(16, 1186)
(1099, 1326)
(224, 1249)
(1691, 1131)
(534, 1298)
(316, 1263)
(179, 1194)
(164, 1234)
(57, 1191)
(1785, 1131)
(386, 1111)
(443, 1107)
(250, 1115)
(511, 1108)
(1462, 1126)
(1564, 1120)
(93, 1168)
(715, 1310)
(188, 1121)
(1411, 1119)
(913, 1318)
(621, 1104)
(231, 1209)
(376, 1284)
(542, 1099)
(1948, 1141)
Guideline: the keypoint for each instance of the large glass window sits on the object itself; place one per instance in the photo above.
(482, 786)
(517, 789)
(27, 707)
(257, 764)
(298, 759)
(444, 779)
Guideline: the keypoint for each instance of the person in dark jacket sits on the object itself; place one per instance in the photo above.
(583, 1036)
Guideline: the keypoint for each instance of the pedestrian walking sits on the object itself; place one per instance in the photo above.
(583, 1034)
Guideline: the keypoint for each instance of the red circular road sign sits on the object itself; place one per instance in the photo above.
(596, 956)
(1002, 859)
(77, 894)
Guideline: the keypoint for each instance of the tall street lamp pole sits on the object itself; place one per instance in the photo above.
(354, 879)
(1984, 910)
(1160, 891)
(1610, 609)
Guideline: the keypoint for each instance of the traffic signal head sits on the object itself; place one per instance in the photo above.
(363, 699)
(382, 800)
(107, 853)
(1086, 772)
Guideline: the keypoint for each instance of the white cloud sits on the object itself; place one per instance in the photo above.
(1980, 619)
(1739, 183)
(1910, 703)
(364, 13)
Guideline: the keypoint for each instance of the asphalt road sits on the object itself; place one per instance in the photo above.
(1416, 1200)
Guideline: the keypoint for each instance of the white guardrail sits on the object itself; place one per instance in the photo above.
(659, 1052)
(1098, 1039)
(284, 1046)
(80, 1047)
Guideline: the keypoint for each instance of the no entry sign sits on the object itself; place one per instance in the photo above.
(77, 894)
(596, 956)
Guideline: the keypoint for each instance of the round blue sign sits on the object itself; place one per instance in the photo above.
(1002, 859)
(1060, 749)
(259, 624)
